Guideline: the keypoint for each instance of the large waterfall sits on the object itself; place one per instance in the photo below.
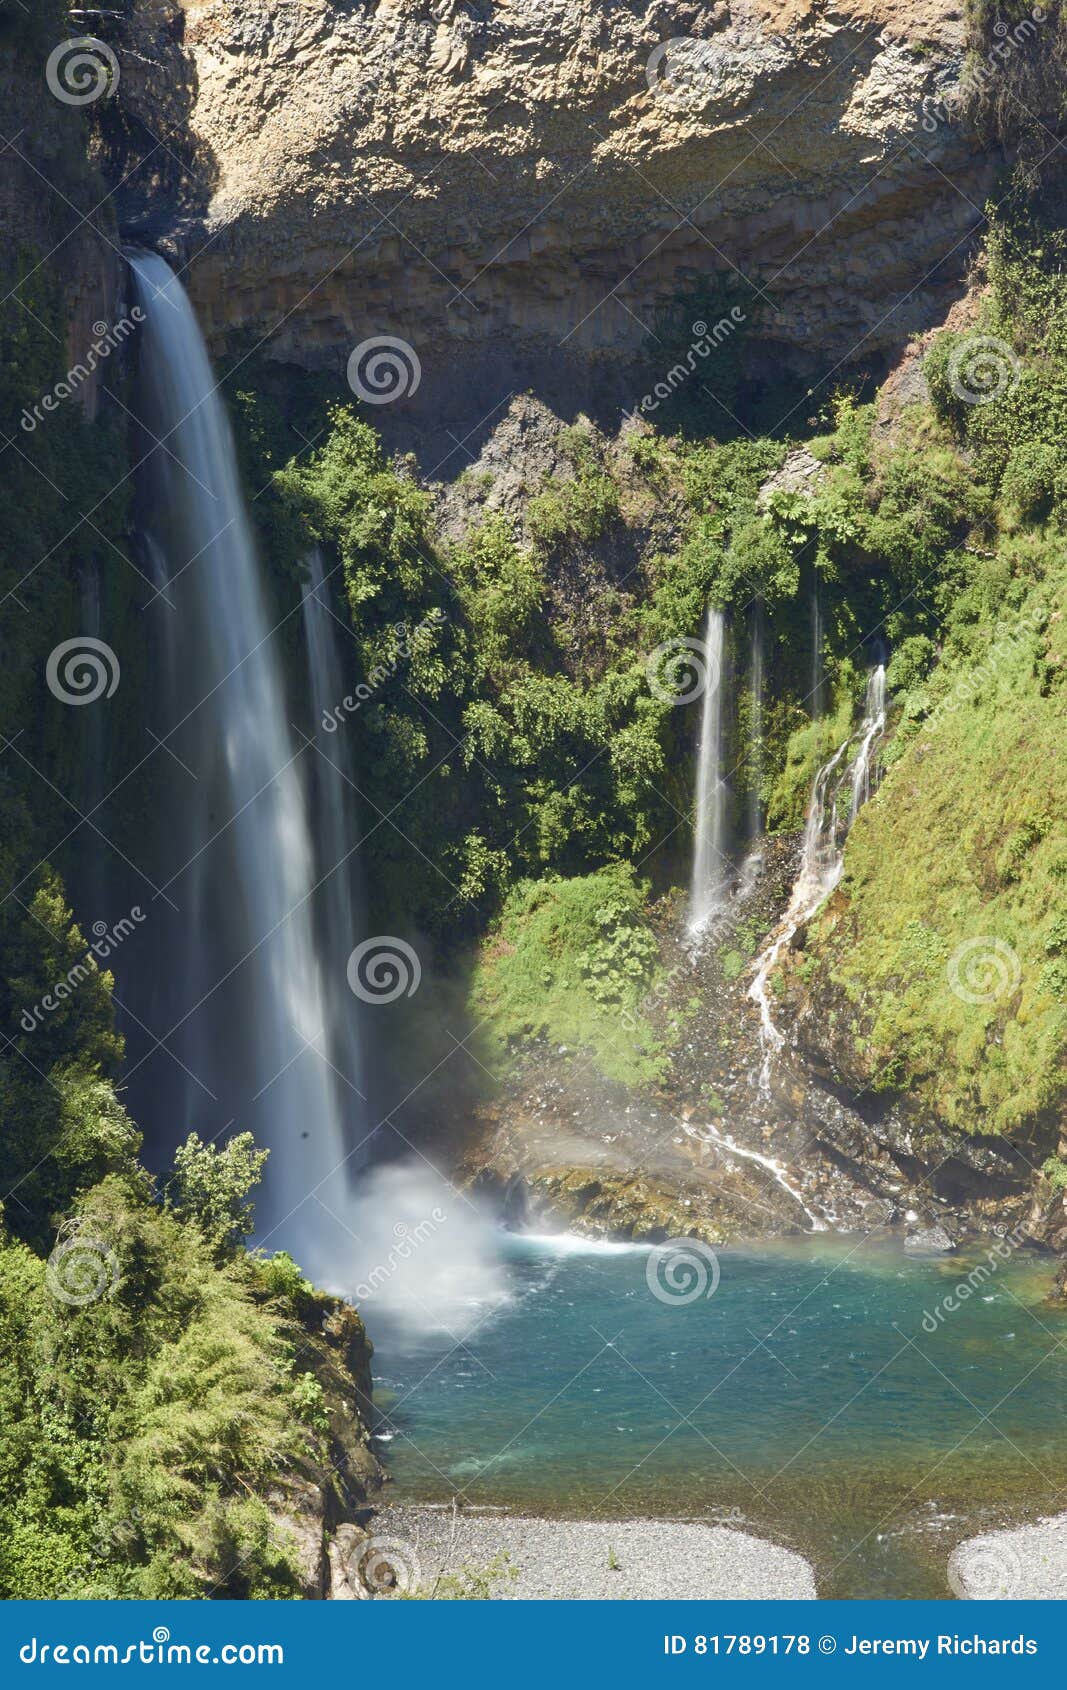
(243, 1006)
(709, 829)
(841, 786)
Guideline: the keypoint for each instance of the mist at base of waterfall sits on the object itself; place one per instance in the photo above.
(425, 1259)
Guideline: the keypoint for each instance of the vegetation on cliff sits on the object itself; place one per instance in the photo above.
(941, 963)
(517, 737)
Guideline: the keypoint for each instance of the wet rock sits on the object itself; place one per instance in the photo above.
(345, 1584)
(930, 1240)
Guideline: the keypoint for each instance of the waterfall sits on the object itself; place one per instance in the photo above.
(755, 759)
(336, 825)
(873, 726)
(711, 1134)
(239, 1001)
(822, 857)
(816, 653)
(709, 832)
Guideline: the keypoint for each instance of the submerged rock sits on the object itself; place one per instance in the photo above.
(928, 1240)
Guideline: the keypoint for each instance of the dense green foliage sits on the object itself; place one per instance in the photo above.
(948, 940)
(146, 1391)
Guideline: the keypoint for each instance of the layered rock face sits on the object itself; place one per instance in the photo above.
(517, 189)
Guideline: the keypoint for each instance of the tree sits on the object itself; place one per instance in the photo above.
(210, 1187)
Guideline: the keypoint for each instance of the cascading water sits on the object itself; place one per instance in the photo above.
(709, 832)
(755, 758)
(336, 827)
(873, 727)
(822, 854)
(710, 1134)
(816, 652)
(244, 1006)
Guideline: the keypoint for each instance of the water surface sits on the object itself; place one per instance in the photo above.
(823, 1393)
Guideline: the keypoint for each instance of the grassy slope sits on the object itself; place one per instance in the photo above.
(572, 961)
(966, 846)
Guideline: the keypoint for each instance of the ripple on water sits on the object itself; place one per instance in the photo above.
(806, 1392)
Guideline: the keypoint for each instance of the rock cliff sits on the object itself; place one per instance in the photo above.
(518, 188)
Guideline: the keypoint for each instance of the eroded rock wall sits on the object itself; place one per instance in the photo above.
(518, 188)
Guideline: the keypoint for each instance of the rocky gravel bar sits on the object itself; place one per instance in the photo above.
(596, 1560)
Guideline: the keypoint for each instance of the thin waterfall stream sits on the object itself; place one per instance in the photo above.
(755, 754)
(822, 854)
(709, 831)
(336, 829)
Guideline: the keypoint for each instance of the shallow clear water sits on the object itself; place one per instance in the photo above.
(805, 1397)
